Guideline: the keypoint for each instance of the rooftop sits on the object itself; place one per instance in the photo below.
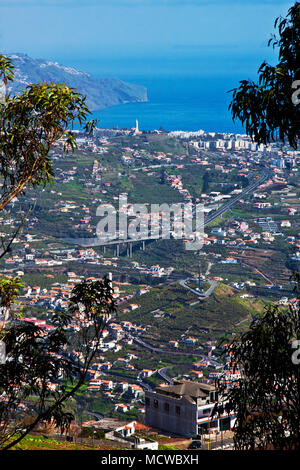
(187, 389)
(111, 424)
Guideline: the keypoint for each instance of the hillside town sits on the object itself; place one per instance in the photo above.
(124, 375)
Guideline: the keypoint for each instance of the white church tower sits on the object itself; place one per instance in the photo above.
(136, 131)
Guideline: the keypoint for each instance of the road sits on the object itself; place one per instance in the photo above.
(226, 444)
(143, 384)
(164, 376)
(213, 285)
(267, 278)
(250, 188)
(162, 165)
(142, 343)
(88, 242)
(98, 416)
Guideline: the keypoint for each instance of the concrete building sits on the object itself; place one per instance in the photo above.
(185, 408)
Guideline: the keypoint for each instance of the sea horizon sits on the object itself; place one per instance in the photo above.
(187, 90)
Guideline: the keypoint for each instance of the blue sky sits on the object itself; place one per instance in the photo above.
(188, 53)
(58, 28)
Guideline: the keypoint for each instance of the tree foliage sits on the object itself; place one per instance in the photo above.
(40, 363)
(266, 399)
(266, 108)
(30, 124)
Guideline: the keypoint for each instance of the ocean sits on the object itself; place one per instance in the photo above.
(187, 90)
(176, 103)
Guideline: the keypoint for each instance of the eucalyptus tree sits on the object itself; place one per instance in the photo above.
(31, 123)
(270, 108)
(265, 396)
(43, 368)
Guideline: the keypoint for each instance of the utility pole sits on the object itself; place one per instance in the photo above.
(199, 279)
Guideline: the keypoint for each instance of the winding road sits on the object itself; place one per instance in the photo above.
(142, 343)
(213, 285)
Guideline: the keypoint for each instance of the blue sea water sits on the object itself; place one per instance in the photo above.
(187, 90)
(178, 102)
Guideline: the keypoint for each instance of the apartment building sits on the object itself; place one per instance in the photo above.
(185, 408)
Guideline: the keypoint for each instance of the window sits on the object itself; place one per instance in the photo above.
(206, 411)
(155, 403)
(147, 401)
(177, 409)
(213, 396)
(167, 407)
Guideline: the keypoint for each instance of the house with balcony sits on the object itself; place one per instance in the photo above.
(185, 408)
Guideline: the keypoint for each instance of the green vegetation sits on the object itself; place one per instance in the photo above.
(206, 320)
(42, 443)
(167, 447)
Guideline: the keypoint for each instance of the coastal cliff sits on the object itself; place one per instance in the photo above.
(101, 92)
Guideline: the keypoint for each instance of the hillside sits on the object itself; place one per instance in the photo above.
(181, 317)
(101, 93)
(31, 442)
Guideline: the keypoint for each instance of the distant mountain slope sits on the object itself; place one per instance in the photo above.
(101, 93)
